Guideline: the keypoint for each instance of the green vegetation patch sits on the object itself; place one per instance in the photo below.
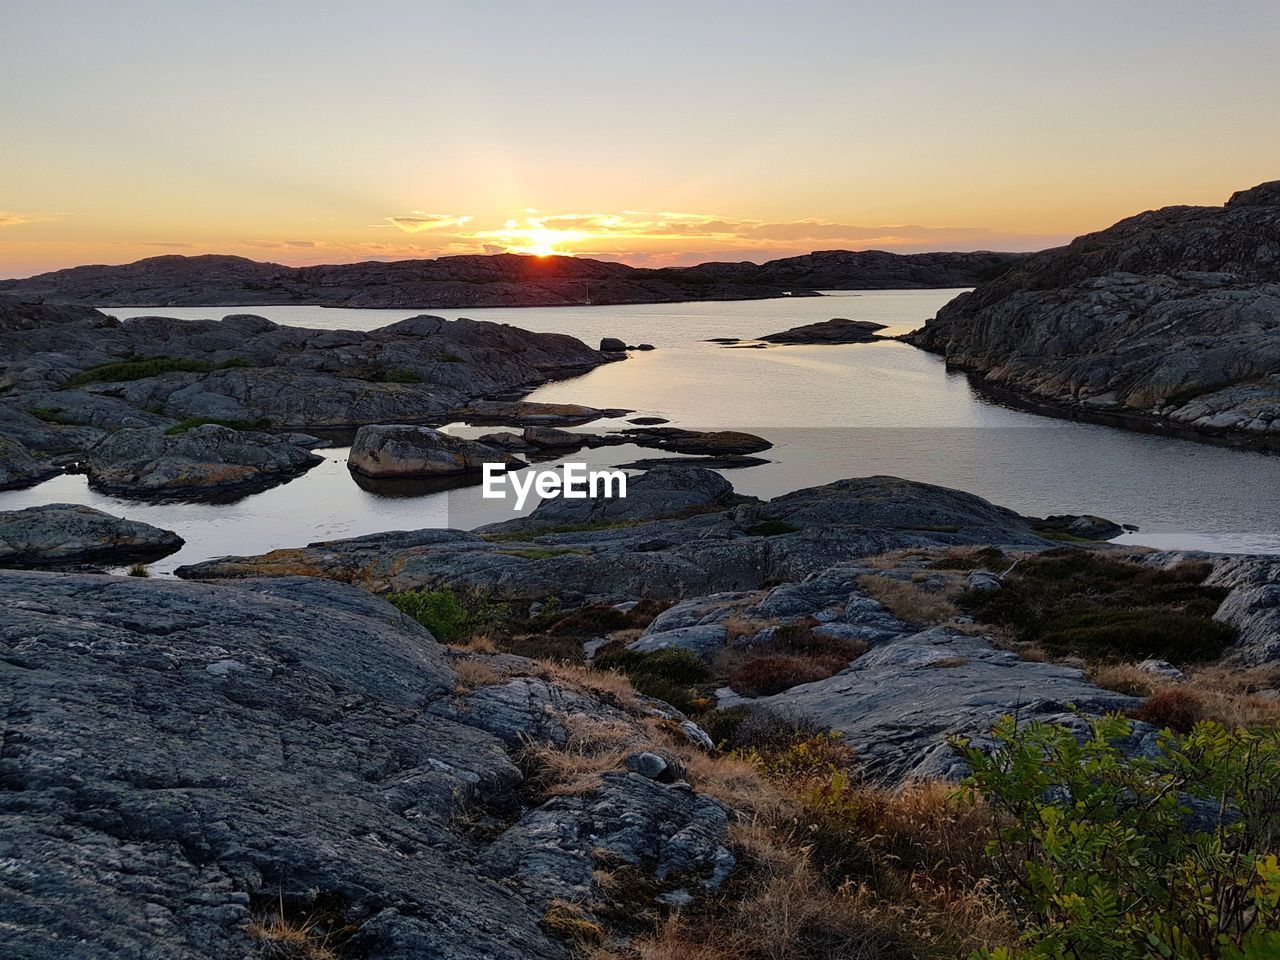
(544, 553)
(1085, 603)
(670, 675)
(449, 616)
(262, 423)
(126, 370)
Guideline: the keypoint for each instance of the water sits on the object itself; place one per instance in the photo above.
(831, 412)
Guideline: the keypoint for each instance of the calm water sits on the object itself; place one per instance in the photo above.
(831, 412)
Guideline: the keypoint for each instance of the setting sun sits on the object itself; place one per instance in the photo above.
(534, 237)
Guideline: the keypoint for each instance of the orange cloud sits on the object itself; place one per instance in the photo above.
(417, 221)
(8, 219)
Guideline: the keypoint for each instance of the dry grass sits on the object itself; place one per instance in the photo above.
(909, 601)
(1222, 693)
(608, 686)
(473, 674)
(282, 938)
(480, 643)
(592, 748)
(736, 627)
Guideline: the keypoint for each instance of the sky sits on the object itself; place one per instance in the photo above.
(654, 133)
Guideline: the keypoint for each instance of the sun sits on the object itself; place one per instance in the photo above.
(534, 238)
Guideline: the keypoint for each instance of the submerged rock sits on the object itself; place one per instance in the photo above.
(834, 331)
(404, 450)
(58, 533)
(699, 442)
(204, 460)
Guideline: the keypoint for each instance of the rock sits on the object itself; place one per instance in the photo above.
(648, 421)
(708, 463)
(834, 331)
(678, 533)
(524, 413)
(203, 460)
(708, 443)
(612, 345)
(1162, 668)
(18, 468)
(897, 705)
(650, 766)
(1083, 528)
(646, 347)
(60, 533)
(193, 753)
(549, 438)
(1168, 319)
(658, 493)
(631, 820)
(703, 641)
(983, 580)
(404, 450)
(1252, 606)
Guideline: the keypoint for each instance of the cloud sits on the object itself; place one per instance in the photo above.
(417, 221)
(9, 219)
(284, 244)
(171, 244)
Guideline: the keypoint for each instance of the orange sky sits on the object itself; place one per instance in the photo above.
(673, 133)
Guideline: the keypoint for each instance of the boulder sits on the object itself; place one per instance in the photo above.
(612, 345)
(699, 442)
(58, 533)
(204, 460)
(404, 450)
(18, 468)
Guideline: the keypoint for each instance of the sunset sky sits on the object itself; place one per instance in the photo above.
(655, 133)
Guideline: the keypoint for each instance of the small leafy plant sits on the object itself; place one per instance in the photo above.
(1110, 856)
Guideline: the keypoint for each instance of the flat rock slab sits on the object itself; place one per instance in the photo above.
(898, 704)
(60, 533)
(178, 755)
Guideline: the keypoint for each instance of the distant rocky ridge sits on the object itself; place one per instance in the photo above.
(1167, 320)
(502, 280)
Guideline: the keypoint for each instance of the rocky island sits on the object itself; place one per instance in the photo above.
(500, 280)
(1166, 321)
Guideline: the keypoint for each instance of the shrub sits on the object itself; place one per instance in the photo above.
(765, 676)
(668, 675)
(139, 570)
(758, 728)
(1103, 856)
(971, 558)
(126, 370)
(449, 617)
(1172, 708)
(1082, 603)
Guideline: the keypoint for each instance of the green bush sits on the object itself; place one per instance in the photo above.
(1083, 603)
(676, 666)
(449, 617)
(126, 370)
(1104, 856)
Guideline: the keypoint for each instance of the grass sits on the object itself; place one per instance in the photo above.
(284, 931)
(1084, 603)
(52, 415)
(138, 369)
(1226, 695)
(908, 601)
(971, 558)
(473, 674)
(262, 423)
(450, 618)
(139, 570)
(669, 675)
(521, 535)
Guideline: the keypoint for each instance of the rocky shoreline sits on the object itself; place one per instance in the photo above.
(1167, 322)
